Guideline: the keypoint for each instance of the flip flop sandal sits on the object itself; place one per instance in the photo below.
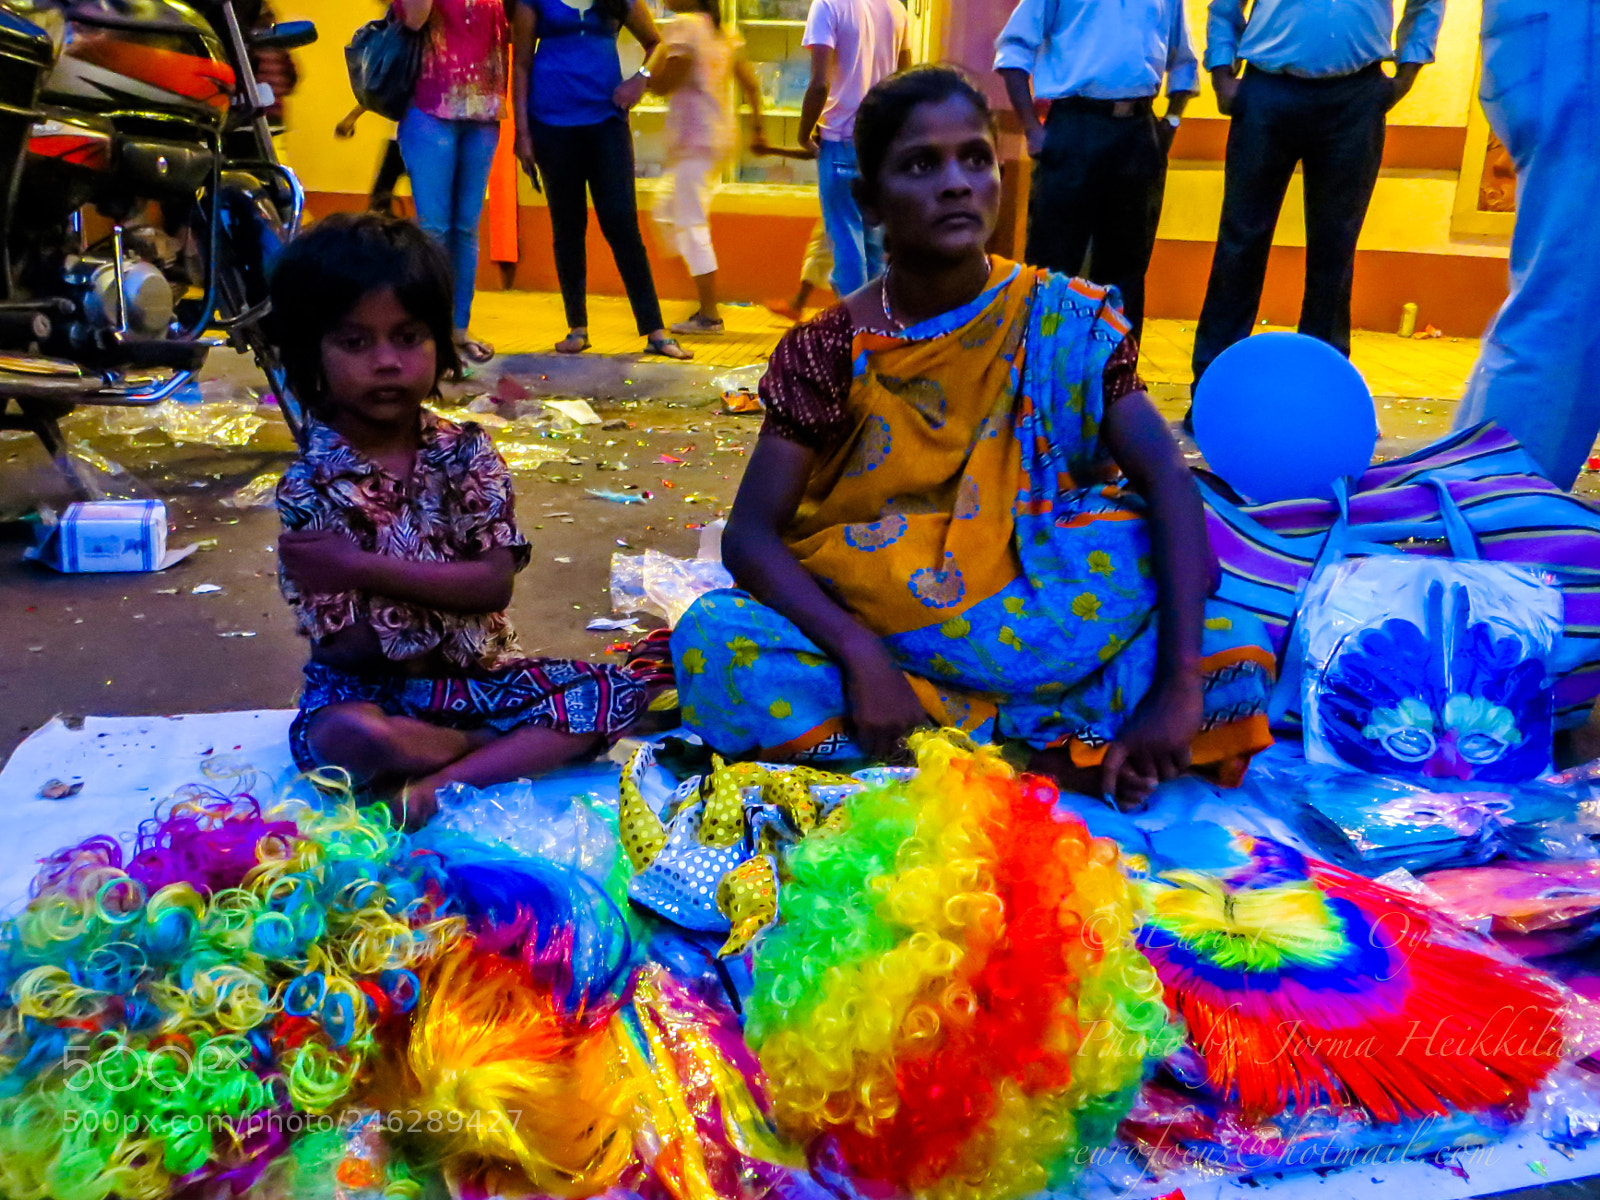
(698, 324)
(566, 345)
(661, 346)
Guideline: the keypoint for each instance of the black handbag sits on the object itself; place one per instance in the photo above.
(384, 59)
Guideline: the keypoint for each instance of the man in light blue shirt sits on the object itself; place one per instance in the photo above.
(1318, 38)
(1313, 95)
(1100, 157)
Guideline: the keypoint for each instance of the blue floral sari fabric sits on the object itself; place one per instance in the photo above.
(1009, 578)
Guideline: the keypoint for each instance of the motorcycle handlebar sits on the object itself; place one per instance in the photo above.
(285, 35)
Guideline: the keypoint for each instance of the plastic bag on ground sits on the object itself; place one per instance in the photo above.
(209, 423)
(260, 492)
(740, 378)
(535, 819)
(662, 585)
(1375, 823)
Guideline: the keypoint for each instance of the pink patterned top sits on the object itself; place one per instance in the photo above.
(464, 61)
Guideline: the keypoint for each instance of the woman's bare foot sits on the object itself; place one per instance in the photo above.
(415, 804)
(576, 342)
(524, 753)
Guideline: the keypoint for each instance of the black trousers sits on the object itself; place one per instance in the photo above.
(577, 162)
(1097, 190)
(1334, 129)
(390, 172)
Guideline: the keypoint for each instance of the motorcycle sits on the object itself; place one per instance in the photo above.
(141, 200)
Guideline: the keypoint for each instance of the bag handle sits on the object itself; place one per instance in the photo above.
(1291, 672)
(1336, 545)
(1463, 541)
(1463, 545)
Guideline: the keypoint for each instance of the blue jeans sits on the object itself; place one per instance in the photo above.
(857, 247)
(448, 162)
(1538, 372)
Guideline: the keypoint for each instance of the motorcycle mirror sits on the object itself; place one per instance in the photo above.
(285, 35)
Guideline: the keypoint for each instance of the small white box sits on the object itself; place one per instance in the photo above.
(107, 535)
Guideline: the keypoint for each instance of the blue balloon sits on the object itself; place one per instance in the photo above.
(1281, 416)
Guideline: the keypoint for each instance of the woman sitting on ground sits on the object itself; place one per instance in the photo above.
(930, 530)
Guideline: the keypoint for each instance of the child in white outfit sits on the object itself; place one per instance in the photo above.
(693, 67)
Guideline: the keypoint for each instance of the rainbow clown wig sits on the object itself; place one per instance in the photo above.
(953, 992)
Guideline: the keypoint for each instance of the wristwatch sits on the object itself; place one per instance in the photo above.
(644, 73)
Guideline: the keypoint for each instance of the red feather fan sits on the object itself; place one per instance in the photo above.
(1302, 983)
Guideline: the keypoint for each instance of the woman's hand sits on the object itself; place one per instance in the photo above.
(524, 152)
(629, 92)
(1153, 746)
(883, 708)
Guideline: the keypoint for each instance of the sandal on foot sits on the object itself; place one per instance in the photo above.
(573, 343)
(667, 347)
(475, 351)
(699, 323)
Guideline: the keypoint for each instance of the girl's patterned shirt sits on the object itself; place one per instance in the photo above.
(457, 505)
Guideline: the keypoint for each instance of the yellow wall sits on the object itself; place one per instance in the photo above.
(1410, 212)
(323, 162)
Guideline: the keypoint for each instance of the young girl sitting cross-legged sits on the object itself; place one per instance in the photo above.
(400, 541)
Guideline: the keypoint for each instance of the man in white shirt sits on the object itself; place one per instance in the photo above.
(1538, 373)
(853, 44)
(1100, 157)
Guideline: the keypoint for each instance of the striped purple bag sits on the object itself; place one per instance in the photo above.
(1268, 552)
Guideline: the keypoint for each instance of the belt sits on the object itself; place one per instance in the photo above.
(1138, 107)
(1369, 69)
